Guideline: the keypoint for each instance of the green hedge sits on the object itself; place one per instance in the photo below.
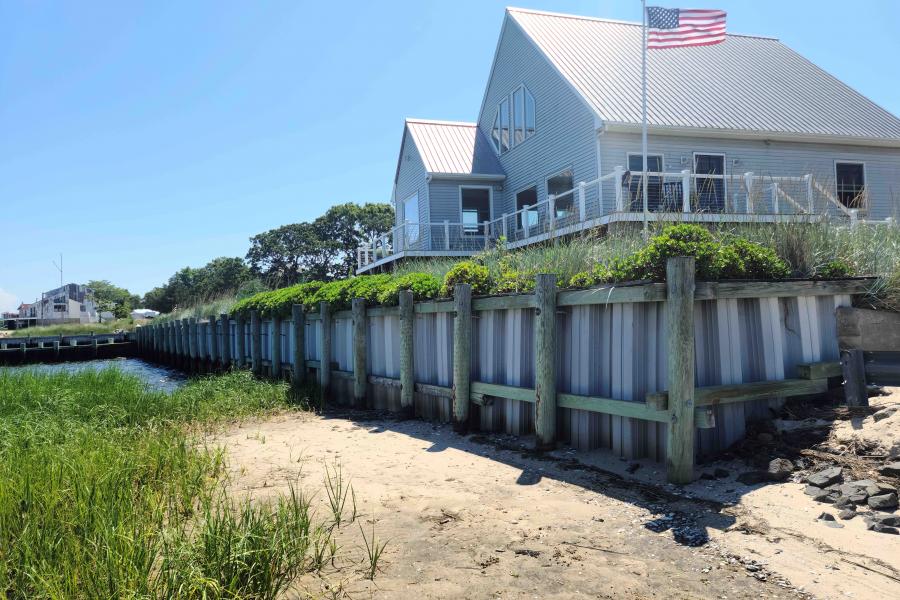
(716, 258)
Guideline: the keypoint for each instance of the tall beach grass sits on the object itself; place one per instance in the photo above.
(107, 490)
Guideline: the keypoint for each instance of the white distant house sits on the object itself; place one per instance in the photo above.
(144, 313)
(70, 303)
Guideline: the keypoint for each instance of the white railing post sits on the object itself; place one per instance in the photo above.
(686, 190)
(748, 183)
(524, 213)
(809, 193)
(446, 234)
(487, 237)
(505, 228)
(582, 208)
(854, 217)
(775, 208)
(620, 174)
(551, 210)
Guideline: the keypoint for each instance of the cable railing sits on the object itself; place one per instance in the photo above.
(744, 197)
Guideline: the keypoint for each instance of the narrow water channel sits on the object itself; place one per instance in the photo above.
(154, 376)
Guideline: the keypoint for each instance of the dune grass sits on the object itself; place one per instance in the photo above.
(72, 329)
(107, 491)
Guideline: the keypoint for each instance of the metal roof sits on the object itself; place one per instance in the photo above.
(453, 148)
(745, 84)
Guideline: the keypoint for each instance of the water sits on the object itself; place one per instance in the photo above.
(155, 377)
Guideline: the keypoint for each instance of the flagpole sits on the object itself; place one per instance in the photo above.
(644, 178)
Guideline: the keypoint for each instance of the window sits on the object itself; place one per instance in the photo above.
(514, 120)
(476, 207)
(851, 183)
(411, 215)
(654, 184)
(518, 116)
(527, 197)
(558, 184)
(709, 183)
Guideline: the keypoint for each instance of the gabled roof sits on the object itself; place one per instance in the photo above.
(453, 148)
(746, 84)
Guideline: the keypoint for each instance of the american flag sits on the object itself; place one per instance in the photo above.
(680, 27)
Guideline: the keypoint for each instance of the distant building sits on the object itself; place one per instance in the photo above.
(71, 303)
(144, 313)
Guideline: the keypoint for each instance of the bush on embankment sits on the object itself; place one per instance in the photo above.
(720, 255)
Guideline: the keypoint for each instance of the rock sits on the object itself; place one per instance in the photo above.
(633, 467)
(843, 502)
(825, 477)
(820, 495)
(826, 517)
(753, 477)
(846, 515)
(883, 502)
(876, 489)
(858, 498)
(721, 473)
(891, 469)
(855, 487)
(765, 438)
(885, 413)
(780, 469)
(707, 476)
(882, 519)
(879, 528)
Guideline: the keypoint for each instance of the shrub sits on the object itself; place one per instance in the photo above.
(676, 240)
(834, 269)
(278, 302)
(469, 272)
(742, 259)
(512, 281)
(582, 280)
(424, 286)
(340, 293)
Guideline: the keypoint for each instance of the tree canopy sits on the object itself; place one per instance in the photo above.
(112, 298)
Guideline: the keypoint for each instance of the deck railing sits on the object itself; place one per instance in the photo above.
(738, 197)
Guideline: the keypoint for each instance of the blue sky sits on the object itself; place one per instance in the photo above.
(139, 138)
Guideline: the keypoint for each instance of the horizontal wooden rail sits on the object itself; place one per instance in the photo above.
(745, 392)
(435, 306)
(820, 370)
(715, 290)
(612, 294)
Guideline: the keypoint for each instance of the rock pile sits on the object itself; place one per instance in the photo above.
(828, 486)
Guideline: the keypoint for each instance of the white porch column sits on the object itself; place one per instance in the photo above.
(748, 183)
(620, 173)
(582, 208)
(524, 213)
(446, 234)
(807, 179)
(686, 190)
(775, 207)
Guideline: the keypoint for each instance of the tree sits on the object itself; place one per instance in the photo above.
(117, 300)
(323, 249)
(188, 286)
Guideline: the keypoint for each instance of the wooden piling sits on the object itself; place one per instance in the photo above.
(360, 374)
(298, 328)
(56, 349)
(213, 343)
(240, 339)
(185, 344)
(853, 368)
(407, 375)
(201, 345)
(680, 324)
(325, 359)
(276, 348)
(179, 341)
(462, 348)
(545, 362)
(255, 342)
(225, 354)
(93, 344)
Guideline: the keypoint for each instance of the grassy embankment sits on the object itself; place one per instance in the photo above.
(72, 329)
(107, 490)
(807, 250)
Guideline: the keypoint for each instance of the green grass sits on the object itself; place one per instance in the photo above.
(215, 307)
(73, 328)
(107, 491)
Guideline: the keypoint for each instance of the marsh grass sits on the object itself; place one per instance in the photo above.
(108, 491)
(73, 328)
